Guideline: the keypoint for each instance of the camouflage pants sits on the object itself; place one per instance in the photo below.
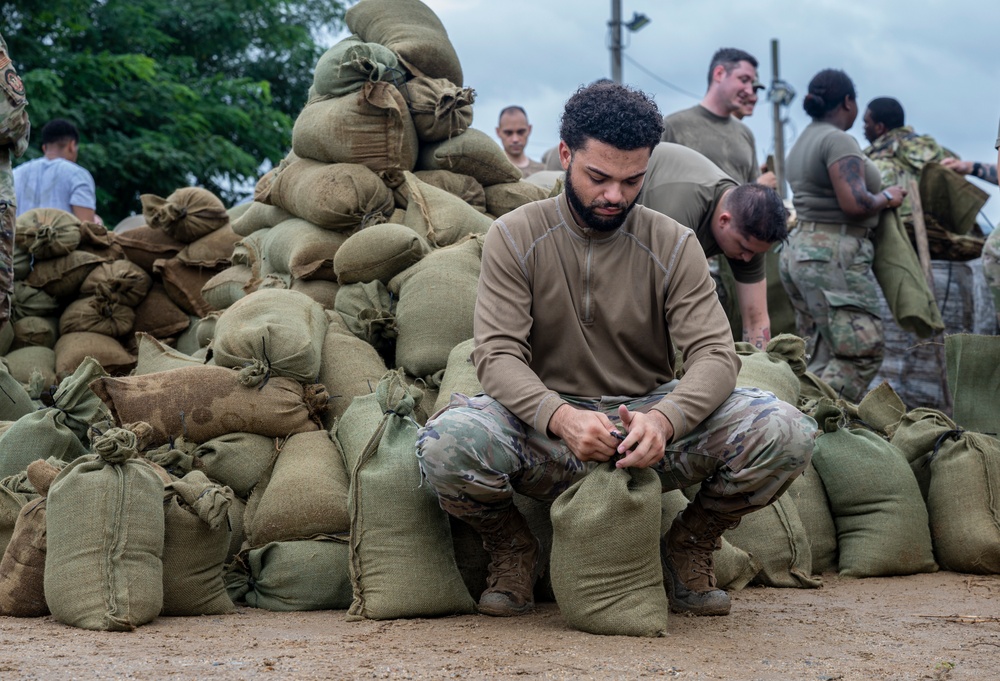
(475, 453)
(7, 218)
(830, 284)
(991, 268)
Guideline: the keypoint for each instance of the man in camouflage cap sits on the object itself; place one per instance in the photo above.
(14, 131)
(898, 152)
(581, 301)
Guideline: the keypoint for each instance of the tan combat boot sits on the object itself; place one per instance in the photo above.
(688, 564)
(513, 554)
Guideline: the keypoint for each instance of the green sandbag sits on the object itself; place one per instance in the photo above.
(236, 460)
(882, 523)
(919, 435)
(462, 186)
(974, 380)
(605, 564)
(810, 499)
(413, 31)
(881, 409)
(776, 369)
(400, 537)
(29, 301)
(346, 66)
(32, 331)
(23, 362)
(350, 367)
(440, 109)
(459, 375)
(776, 536)
(504, 197)
(440, 216)
(259, 216)
(369, 312)
(378, 252)
(226, 287)
(14, 399)
(104, 520)
(298, 248)
(472, 153)
(292, 576)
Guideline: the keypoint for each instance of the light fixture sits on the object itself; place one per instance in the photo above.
(637, 22)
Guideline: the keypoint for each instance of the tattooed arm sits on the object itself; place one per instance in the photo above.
(848, 178)
(753, 310)
(984, 171)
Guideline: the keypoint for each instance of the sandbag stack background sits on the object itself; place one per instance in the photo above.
(282, 354)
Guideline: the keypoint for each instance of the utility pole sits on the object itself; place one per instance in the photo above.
(616, 40)
(779, 129)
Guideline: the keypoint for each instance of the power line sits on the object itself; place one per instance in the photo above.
(660, 80)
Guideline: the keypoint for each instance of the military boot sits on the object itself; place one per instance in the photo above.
(688, 563)
(513, 554)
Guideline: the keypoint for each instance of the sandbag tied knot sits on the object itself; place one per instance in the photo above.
(256, 374)
(45, 235)
(317, 400)
(395, 396)
(116, 446)
(791, 349)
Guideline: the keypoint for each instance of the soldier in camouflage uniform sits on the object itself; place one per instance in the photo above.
(582, 297)
(14, 131)
(897, 151)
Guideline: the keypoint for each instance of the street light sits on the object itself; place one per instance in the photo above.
(637, 22)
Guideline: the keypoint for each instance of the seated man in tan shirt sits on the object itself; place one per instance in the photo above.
(582, 298)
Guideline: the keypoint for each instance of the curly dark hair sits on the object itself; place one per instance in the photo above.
(612, 113)
(758, 212)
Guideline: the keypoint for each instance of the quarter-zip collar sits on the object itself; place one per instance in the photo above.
(597, 236)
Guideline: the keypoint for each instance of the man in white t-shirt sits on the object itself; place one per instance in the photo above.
(55, 180)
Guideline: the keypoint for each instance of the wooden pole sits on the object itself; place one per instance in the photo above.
(616, 40)
(779, 129)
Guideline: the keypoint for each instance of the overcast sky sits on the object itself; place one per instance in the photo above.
(940, 59)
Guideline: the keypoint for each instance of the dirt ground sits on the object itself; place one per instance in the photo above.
(943, 626)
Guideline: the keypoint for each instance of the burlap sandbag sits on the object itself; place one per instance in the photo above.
(282, 329)
(463, 186)
(29, 301)
(96, 239)
(15, 492)
(810, 499)
(882, 409)
(259, 216)
(187, 215)
(337, 196)
(226, 287)
(881, 519)
(963, 505)
(974, 380)
(378, 252)
(370, 314)
(440, 109)
(349, 367)
(350, 63)
(236, 460)
(437, 300)
(6, 338)
(73, 349)
(919, 435)
(734, 567)
(104, 518)
(298, 248)
(413, 31)
(371, 127)
(776, 536)
(605, 562)
(22, 569)
(14, 400)
(293, 576)
(194, 341)
(62, 277)
(776, 369)
(153, 356)
(459, 375)
(213, 250)
(145, 245)
(195, 544)
(158, 315)
(23, 362)
(400, 537)
(46, 233)
(306, 492)
(472, 153)
(125, 280)
(504, 197)
(30, 331)
(183, 284)
(322, 291)
(206, 402)
(99, 313)
(440, 216)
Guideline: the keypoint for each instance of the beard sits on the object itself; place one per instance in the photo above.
(598, 223)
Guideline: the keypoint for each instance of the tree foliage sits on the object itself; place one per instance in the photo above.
(169, 93)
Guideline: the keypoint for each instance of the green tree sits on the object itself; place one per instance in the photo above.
(167, 93)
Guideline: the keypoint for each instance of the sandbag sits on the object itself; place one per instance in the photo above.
(810, 499)
(62, 277)
(776, 536)
(399, 537)
(22, 569)
(23, 362)
(100, 313)
(14, 400)
(378, 252)
(104, 519)
(440, 109)
(158, 315)
(206, 402)
(32, 302)
(459, 375)
(462, 186)
(15, 492)
(186, 215)
(124, 280)
(605, 562)
(919, 435)
(413, 31)
(974, 380)
(46, 233)
(73, 349)
(145, 245)
(346, 66)
(439, 216)
(260, 216)
(472, 153)
(336, 196)
(504, 197)
(183, 285)
(213, 250)
(299, 248)
(153, 356)
(322, 291)
(226, 287)
(370, 314)
(776, 369)
(236, 460)
(29, 331)
(349, 367)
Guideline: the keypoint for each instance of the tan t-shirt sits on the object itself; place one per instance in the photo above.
(532, 168)
(726, 142)
(686, 186)
(808, 170)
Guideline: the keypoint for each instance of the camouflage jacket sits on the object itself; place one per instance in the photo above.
(901, 154)
(14, 125)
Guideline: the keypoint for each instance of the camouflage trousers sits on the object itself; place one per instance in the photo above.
(475, 453)
(991, 269)
(8, 211)
(829, 281)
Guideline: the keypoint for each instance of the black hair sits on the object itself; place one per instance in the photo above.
(759, 212)
(827, 91)
(729, 57)
(888, 112)
(59, 131)
(612, 113)
(509, 109)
